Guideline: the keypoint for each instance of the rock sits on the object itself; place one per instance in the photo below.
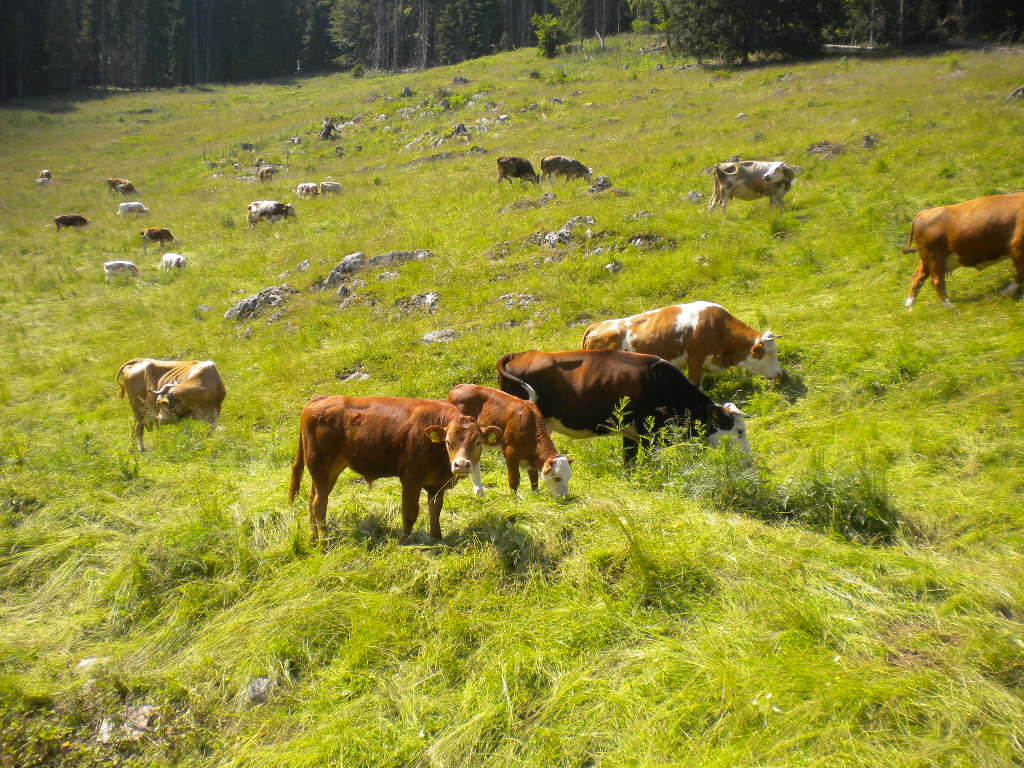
(428, 301)
(503, 118)
(534, 106)
(347, 266)
(275, 316)
(356, 376)
(576, 93)
(742, 116)
(956, 74)
(398, 257)
(577, 221)
(135, 723)
(86, 665)
(439, 336)
(824, 148)
(518, 299)
(385, 277)
(645, 240)
(600, 184)
(302, 266)
(204, 308)
(547, 197)
(1016, 94)
(247, 147)
(694, 196)
(659, 67)
(444, 103)
(459, 80)
(259, 689)
(406, 92)
(460, 129)
(295, 140)
(557, 238)
(556, 100)
(339, 150)
(640, 215)
(869, 141)
(251, 306)
(613, 267)
(247, 333)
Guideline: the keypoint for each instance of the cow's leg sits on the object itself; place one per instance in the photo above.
(512, 465)
(939, 281)
(726, 193)
(916, 282)
(1017, 256)
(410, 509)
(534, 479)
(695, 368)
(630, 448)
(434, 501)
(478, 483)
(322, 485)
(140, 427)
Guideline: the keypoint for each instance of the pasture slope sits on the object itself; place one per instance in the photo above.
(852, 599)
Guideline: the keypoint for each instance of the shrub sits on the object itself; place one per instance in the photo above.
(550, 34)
(358, 70)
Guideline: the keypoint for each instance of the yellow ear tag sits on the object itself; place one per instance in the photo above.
(434, 435)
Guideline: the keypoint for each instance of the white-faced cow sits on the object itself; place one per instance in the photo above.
(559, 165)
(975, 233)
(307, 189)
(44, 177)
(268, 210)
(699, 334)
(69, 220)
(750, 180)
(166, 391)
(525, 440)
(119, 269)
(171, 261)
(580, 393)
(516, 168)
(160, 235)
(427, 444)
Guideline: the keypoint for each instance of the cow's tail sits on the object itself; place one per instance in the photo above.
(119, 376)
(297, 467)
(504, 377)
(910, 247)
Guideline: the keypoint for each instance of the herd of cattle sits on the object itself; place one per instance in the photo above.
(638, 360)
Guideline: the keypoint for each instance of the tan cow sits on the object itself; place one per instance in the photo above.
(750, 180)
(160, 235)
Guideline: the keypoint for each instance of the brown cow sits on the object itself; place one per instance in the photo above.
(516, 168)
(701, 334)
(113, 183)
(266, 173)
(560, 165)
(525, 440)
(427, 444)
(160, 235)
(69, 220)
(975, 233)
(165, 391)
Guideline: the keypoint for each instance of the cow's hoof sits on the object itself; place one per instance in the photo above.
(908, 303)
(947, 304)
(479, 492)
(1010, 289)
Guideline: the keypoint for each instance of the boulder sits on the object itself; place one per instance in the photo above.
(135, 723)
(406, 92)
(613, 267)
(825, 148)
(459, 80)
(869, 141)
(1016, 94)
(694, 196)
(440, 336)
(347, 266)
(258, 690)
(600, 184)
(385, 277)
(251, 306)
(247, 147)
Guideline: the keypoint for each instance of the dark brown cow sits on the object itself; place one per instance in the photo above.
(160, 235)
(427, 444)
(975, 233)
(559, 165)
(516, 168)
(525, 440)
(70, 220)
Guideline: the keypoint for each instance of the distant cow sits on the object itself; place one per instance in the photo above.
(558, 165)
(427, 444)
(114, 183)
(580, 393)
(269, 210)
(975, 233)
(699, 334)
(69, 220)
(44, 177)
(171, 261)
(525, 440)
(123, 209)
(119, 269)
(160, 235)
(166, 391)
(307, 189)
(330, 187)
(126, 189)
(516, 168)
(266, 173)
(750, 180)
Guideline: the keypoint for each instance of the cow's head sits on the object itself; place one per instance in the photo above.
(556, 473)
(775, 173)
(728, 421)
(290, 211)
(464, 441)
(168, 407)
(763, 358)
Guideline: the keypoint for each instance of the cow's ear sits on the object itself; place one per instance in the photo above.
(492, 435)
(546, 469)
(436, 434)
(757, 350)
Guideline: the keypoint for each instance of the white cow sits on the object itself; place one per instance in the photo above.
(331, 187)
(271, 210)
(307, 189)
(123, 209)
(173, 261)
(750, 180)
(119, 268)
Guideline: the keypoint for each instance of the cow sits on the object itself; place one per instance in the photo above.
(166, 391)
(69, 220)
(975, 233)
(553, 165)
(45, 174)
(427, 444)
(265, 173)
(700, 334)
(331, 187)
(581, 394)
(114, 183)
(123, 209)
(307, 189)
(525, 440)
(126, 189)
(516, 168)
(119, 268)
(270, 210)
(171, 261)
(160, 235)
(750, 180)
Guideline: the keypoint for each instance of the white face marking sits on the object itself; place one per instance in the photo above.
(737, 433)
(557, 477)
(774, 172)
(768, 365)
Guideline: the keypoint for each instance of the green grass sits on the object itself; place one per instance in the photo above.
(853, 598)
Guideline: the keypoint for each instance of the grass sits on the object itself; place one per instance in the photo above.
(850, 598)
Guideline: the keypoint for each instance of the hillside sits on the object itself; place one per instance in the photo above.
(853, 597)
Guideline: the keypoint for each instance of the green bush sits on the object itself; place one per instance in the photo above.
(550, 34)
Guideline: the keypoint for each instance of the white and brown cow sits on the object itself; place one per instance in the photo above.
(44, 177)
(307, 189)
(751, 180)
(166, 391)
(119, 269)
(699, 334)
(268, 210)
(160, 235)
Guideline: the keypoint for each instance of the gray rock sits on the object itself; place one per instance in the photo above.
(1016, 94)
(547, 197)
(135, 723)
(398, 257)
(556, 100)
(694, 196)
(302, 266)
(247, 147)
(247, 333)
(347, 266)
(518, 299)
(600, 184)
(251, 306)
(579, 221)
(406, 92)
(259, 689)
(460, 129)
(440, 336)
(869, 141)
(295, 140)
(503, 118)
(640, 215)
(459, 80)
(344, 291)
(444, 103)
(429, 299)
(339, 150)
(557, 238)
(576, 93)
(659, 67)
(824, 148)
(356, 376)
(385, 277)
(734, 159)
(742, 116)
(613, 267)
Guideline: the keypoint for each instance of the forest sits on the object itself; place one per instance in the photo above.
(69, 46)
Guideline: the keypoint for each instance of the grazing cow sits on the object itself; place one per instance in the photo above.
(307, 189)
(45, 174)
(69, 220)
(331, 187)
(127, 188)
(525, 440)
(43, 181)
(975, 233)
(701, 334)
(580, 391)
(123, 209)
(119, 269)
(166, 391)
(266, 173)
(270, 210)
(750, 180)
(160, 235)
(114, 184)
(559, 165)
(171, 261)
(516, 168)
(427, 444)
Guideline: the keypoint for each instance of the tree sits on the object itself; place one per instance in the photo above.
(550, 34)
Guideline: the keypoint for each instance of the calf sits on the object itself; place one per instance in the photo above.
(166, 391)
(750, 180)
(269, 210)
(975, 233)
(266, 173)
(516, 168)
(160, 235)
(69, 220)
(701, 334)
(427, 444)
(581, 394)
(114, 183)
(123, 209)
(172, 261)
(563, 166)
(525, 440)
(119, 269)
(331, 187)
(307, 189)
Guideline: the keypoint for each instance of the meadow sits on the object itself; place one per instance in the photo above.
(850, 597)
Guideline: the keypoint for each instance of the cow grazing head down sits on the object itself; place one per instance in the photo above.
(167, 407)
(729, 421)
(764, 357)
(464, 441)
(556, 474)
